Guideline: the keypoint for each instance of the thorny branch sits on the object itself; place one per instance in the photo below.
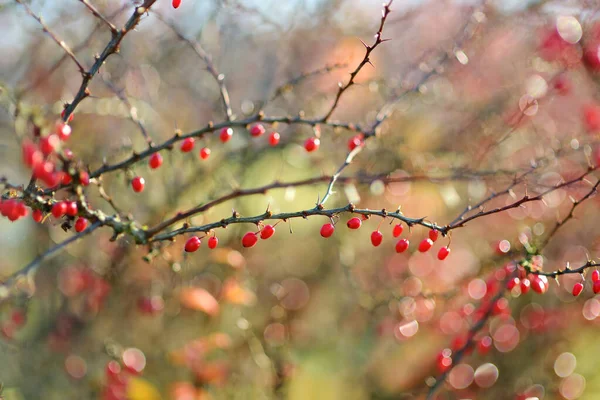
(366, 60)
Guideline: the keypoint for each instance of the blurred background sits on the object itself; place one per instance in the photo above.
(476, 92)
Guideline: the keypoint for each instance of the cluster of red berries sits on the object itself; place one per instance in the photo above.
(444, 357)
(402, 245)
(251, 238)
(37, 156)
(193, 243)
(10, 326)
(311, 144)
(13, 209)
(524, 282)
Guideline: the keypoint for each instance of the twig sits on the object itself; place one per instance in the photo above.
(286, 87)
(33, 265)
(210, 66)
(56, 39)
(111, 48)
(366, 60)
(113, 29)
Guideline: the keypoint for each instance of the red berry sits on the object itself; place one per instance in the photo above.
(37, 216)
(354, 223)
(32, 156)
(81, 224)
(402, 245)
(155, 161)
(596, 287)
(327, 230)
(433, 235)
(525, 285)
(213, 241)
(376, 238)
(84, 178)
(513, 283)
(72, 208)
(226, 134)
(355, 141)
(138, 183)
(59, 209)
(398, 229)
(267, 232)
(256, 130)
(65, 178)
(176, 4)
(538, 285)
(274, 138)
(595, 275)
(187, 145)
(204, 153)
(484, 345)
(577, 289)
(63, 131)
(311, 144)
(192, 244)
(49, 144)
(249, 239)
(443, 253)
(425, 245)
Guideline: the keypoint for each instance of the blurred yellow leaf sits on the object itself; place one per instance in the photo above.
(140, 389)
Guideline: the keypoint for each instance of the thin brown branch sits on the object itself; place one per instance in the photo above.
(366, 60)
(210, 66)
(54, 37)
(289, 85)
(101, 17)
(6, 284)
(111, 48)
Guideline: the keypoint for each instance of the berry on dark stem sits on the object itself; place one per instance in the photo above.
(81, 224)
(138, 183)
(274, 138)
(354, 223)
(72, 208)
(443, 253)
(59, 209)
(249, 239)
(376, 238)
(327, 230)
(433, 235)
(187, 145)
(204, 153)
(213, 242)
(267, 232)
(226, 134)
(257, 130)
(37, 216)
(311, 144)
(577, 289)
(398, 229)
(425, 245)
(155, 161)
(192, 244)
(402, 245)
